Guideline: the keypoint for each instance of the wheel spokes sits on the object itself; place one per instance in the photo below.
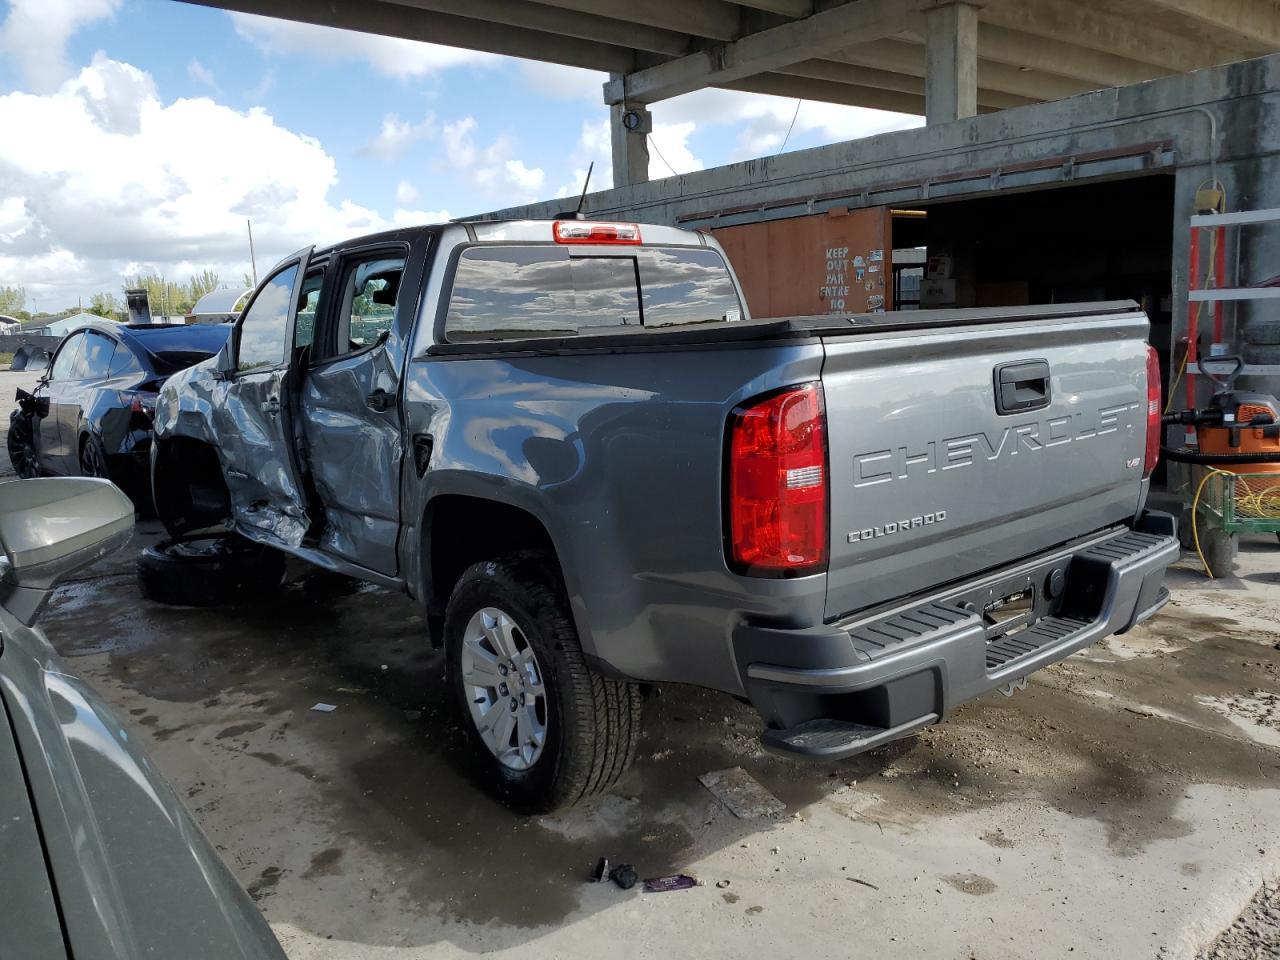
(504, 687)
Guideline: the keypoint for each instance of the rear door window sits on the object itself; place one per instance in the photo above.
(516, 292)
(95, 361)
(123, 363)
(370, 292)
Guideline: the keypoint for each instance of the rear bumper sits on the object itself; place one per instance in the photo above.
(840, 689)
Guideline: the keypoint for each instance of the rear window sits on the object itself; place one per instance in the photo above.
(516, 292)
(177, 347)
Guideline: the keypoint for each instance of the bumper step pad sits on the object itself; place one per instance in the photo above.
(1010, 648)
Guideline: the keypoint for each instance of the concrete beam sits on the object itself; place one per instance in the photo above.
(714, 19)
(766, 51)
(1121, 35)
(566, 23)
(1252, 25)
(908, 59)
(827, 91)
(787, 8)
(629, 127)
(951, 67)
(862, 76)
(393, 20)
(1015, 49)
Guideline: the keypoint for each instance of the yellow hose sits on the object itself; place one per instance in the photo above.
(1195, 517)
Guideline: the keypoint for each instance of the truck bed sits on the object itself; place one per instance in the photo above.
(783, 328)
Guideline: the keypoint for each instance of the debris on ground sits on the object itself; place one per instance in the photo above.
(722, 884)
(680, 881)
(625, 876)
(742, 794)
(865, 883)
(601, 872)
(324, 708)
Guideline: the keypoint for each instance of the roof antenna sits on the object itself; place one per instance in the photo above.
(576, 213)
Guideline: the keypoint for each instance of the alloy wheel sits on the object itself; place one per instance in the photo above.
(91, 463)
(504, 686)
(22, 451)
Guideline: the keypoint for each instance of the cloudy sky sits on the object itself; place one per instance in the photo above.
(138, 136)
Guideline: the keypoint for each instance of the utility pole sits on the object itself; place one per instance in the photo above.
(253, 261)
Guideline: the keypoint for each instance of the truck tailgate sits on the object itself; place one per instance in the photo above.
(958, 449)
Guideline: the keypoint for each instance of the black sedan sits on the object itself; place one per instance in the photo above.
(91, 413)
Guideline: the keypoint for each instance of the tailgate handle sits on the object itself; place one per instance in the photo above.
(1022, 385)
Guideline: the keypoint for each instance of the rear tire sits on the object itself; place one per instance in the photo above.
(209, 570)
(93, 462)
(22, 447)
(590, 723)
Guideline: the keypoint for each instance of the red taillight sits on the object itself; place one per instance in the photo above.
(777, 511)
(140, 404)
(1154, 428)
(585, 231)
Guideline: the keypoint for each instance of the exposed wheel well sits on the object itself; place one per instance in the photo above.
(459, 531)
(188, 487)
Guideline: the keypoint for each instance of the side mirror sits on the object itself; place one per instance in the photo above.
(226, 362)
(52, 527)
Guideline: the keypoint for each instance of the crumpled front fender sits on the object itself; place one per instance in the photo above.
(185, 405)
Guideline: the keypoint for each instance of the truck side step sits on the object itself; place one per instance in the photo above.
(828, 739)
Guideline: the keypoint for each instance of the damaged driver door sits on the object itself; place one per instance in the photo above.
(256, 428)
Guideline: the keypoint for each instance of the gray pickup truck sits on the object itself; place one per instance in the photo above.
(572, 445)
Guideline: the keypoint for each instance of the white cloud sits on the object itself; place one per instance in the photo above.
(258, 92)
(492, 167)
(593, 147)
(766, 120)
(406, 193)
(107, 189)
(392, 56)
(35, 33)
(523, 177)
(201, 74)
(396, 134)
(414, 218)
(669, 152)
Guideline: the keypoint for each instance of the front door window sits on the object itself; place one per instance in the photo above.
(263, 329)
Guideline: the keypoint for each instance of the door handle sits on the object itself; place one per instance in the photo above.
(379, 400)
(1020, 386)
(271, 405)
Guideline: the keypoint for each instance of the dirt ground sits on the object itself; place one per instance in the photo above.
(1123, 805)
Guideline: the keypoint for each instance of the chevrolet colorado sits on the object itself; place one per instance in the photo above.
(572, 445)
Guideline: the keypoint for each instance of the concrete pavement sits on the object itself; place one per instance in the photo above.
(1122, 806)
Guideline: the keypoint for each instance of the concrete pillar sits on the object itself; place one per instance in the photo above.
(629, 128)
(951, 73)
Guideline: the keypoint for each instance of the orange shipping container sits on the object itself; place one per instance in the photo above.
(833, 262)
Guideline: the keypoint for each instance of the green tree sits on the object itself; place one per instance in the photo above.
(12, 300)
(106, 304)
(201, 283)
